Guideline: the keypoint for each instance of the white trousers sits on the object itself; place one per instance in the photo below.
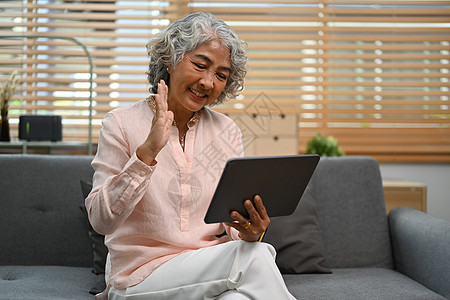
(233, 270)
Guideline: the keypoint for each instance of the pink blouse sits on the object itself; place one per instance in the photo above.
(152, 214)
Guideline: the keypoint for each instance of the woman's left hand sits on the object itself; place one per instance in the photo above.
(251, 229)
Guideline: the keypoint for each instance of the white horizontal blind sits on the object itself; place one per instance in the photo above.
(386, 89)
(55, 72)
(373, 74)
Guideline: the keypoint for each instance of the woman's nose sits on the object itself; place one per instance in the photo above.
(207, 80)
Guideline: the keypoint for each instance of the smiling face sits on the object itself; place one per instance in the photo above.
(199, 78)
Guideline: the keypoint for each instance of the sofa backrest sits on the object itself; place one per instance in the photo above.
(41, 222)
(351, 212)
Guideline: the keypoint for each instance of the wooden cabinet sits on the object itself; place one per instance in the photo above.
(268, 134)
(399, 193)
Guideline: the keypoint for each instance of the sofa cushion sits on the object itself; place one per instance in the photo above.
(351, 212)
(100, 251)
(45, 282)
(39, 201)
(357, 284)
(297, 239)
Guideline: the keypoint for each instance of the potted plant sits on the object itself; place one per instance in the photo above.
(324, 146)
(7, 90)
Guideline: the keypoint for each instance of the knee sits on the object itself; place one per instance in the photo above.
(263, 249)
(233, 295)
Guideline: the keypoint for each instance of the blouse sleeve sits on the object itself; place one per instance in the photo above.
(120, 179)
(238, 149)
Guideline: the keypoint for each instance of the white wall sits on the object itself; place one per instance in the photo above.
(435, 176)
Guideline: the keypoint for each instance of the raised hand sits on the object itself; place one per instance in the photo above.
(160, 131)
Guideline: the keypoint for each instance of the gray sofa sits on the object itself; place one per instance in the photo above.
(346, 249)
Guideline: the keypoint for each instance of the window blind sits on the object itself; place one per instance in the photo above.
(373, 74)
(54, 72)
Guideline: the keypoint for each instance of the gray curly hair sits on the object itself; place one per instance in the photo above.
(185, 35)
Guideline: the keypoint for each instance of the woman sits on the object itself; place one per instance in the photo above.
(156, 168)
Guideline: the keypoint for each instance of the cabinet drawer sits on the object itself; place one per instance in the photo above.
(398, 193)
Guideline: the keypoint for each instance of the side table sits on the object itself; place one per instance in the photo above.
(399, 193)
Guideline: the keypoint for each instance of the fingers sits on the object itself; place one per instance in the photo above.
(160, 130)
(257, 213)
(162, 108)
(241, 221)
(262, 212)
(164, 96)
(169, 120)
(161, 99)
(253, 214)
(250, 229)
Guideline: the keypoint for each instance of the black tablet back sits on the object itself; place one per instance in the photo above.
(279, 180)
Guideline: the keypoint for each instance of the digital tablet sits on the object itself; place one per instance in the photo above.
(279, 180)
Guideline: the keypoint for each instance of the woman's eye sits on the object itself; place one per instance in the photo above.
(199, 66)
(222, 76)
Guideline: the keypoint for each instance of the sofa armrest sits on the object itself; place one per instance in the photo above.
(421, 246)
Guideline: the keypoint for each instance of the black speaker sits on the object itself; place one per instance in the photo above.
(40, 128)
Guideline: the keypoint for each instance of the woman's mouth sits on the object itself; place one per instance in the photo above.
(197, 94)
